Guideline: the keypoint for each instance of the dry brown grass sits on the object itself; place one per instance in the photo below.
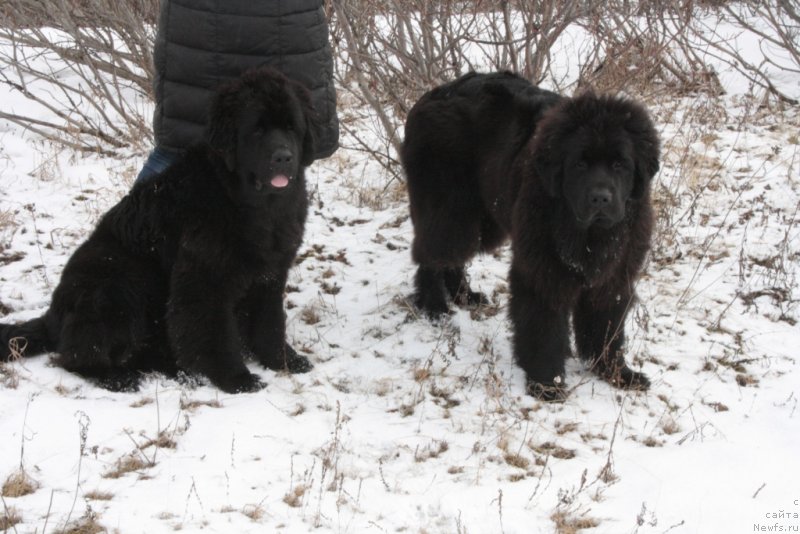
(254, 511)
(85, 525)
(651, 441)
(310, 315)
(191, 405)
(144, 401)
(566, 523)
(669, 426)
(554, 450)
(164, 441)
(9, 518)
(745, 380)
(7, 226)
(295, 497)
(421, 374)
(127, 464)
(517, 460)
(433, 450)
(18, 484)
(9, 377)
(98, 495)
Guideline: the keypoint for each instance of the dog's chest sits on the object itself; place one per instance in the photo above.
(268, 246)
(593, 260)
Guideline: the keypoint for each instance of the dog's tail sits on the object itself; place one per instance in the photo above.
(24, 339)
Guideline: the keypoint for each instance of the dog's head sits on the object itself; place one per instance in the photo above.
(597, 154)
(261, 126)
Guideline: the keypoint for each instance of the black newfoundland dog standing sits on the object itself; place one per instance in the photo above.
(187, 271)
(490, 155)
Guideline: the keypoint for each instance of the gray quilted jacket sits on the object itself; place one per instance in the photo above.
(201, 43)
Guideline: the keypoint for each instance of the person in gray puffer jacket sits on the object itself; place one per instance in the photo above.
(202, 43)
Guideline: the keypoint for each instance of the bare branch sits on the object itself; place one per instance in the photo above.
(88, 63)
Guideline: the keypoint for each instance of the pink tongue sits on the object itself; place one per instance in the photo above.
(279, 181)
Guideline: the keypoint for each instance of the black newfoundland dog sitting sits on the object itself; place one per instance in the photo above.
(490, 155)
(187, 271)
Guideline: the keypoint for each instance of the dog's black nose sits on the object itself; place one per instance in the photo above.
(600, 197)
(282, 155)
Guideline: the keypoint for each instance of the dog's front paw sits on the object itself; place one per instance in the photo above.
(432, 307)
(547, 391)
(295, 363)
(621, 376)
(627, 378)
(120, 381)
(471, 299)
(288, 360)
(244, 382)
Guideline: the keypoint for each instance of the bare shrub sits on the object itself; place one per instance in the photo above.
(85, 65)
(390, 52)
(655, 45)
(776, 23)
(643, 48)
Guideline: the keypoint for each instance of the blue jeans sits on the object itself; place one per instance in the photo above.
(158, 160)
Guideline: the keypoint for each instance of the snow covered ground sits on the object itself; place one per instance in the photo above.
(407, 426)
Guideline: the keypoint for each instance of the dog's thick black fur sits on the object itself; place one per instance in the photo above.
(187, 271)
(490, 155)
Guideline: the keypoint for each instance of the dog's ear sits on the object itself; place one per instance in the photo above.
(551, 141)
(545, 160)
(646, 148)
(221, 131)
(547, 169)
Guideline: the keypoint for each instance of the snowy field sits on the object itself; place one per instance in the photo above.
(407, 426)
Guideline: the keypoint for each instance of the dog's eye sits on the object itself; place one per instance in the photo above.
(616, 165)
(581, 165)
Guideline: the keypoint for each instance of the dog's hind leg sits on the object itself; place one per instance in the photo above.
(108, 318)
(113, 378)
(446, 236)
(457, 285)
(455, 278)
(96, 345)
(430, 296)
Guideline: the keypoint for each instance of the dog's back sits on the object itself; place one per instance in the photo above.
(464, 135)
(461, 140)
